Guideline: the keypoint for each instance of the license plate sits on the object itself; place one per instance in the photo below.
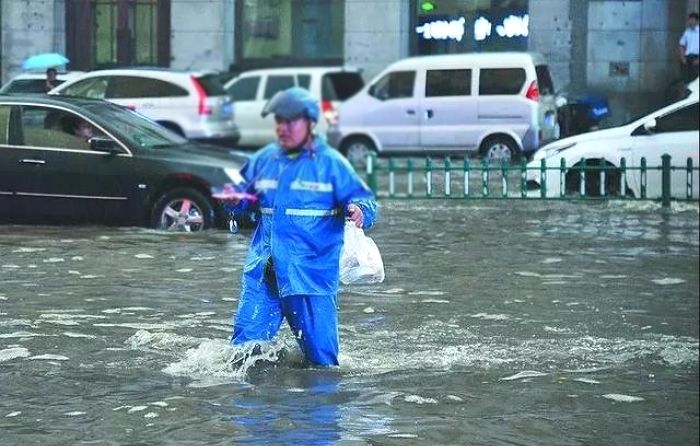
(227, 109)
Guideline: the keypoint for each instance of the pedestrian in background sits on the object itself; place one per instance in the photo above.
(689, 48)
(305, 190)
(51, 81)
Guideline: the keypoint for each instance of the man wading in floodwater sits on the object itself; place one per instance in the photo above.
(305, 191)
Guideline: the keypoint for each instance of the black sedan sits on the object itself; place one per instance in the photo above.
(73, 160)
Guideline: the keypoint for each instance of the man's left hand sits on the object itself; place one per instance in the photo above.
(355, 215)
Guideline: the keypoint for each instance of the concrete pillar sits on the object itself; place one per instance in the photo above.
(202, 34)
(551, 35)
(376, 34)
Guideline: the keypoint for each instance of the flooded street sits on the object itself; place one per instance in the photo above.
(499, 323)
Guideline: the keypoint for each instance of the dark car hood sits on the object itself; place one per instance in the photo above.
(198, 153)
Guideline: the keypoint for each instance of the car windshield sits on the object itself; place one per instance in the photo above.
(136, 127)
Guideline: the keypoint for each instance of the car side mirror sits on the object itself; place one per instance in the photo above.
(105, 145)
(650, 126)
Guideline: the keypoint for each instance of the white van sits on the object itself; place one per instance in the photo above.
(499, 105)
(251, 90)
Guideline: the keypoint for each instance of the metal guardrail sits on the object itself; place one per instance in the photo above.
(472, 179)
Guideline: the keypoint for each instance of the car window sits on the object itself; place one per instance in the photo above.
(494, 81)
(544, 80)
(211, 83)
(341, 86)
(142, 87)
(304, 80)
(53, 128)
(683, 120)
(4, 123)
(448, 83)
(27, 86)
(88, 88)
(135, 127)
(398, 84)
(244, 89)
(277, 83)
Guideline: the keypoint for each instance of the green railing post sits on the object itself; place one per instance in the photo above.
(484, 178)
(448, 171)
(371, 174)
(666, 180)
(582, 178)
(466, 176)
(689, 179)
(409, 168)
(643, 177)
(504, 178)
(623, 177)
(562, 178)
(428, 177)
(543, 178)
(523, 177)
(392, 177)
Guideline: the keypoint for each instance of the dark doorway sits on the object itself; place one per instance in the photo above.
(117, 33)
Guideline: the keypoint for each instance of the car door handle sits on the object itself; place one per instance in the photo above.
(410, 112)
(32, 161)
(429, 114)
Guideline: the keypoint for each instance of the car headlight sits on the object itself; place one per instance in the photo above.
(234, 175)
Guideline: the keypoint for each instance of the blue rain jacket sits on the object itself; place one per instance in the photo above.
(302, 204)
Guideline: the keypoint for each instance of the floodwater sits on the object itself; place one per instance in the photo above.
(499, 323)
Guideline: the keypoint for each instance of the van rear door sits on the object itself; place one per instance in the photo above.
(448, 117)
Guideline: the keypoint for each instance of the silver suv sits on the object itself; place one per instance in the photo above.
(193, 104)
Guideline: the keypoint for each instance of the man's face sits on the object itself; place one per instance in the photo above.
(291, 133)
(692, 22)
(51, 75)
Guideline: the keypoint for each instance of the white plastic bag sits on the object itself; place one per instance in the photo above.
(360, 261)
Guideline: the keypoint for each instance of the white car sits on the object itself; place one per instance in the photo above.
(36, 82)
(192, 104)
(252, 89)
(672, 130)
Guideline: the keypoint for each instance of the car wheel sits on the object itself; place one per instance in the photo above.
(356, 151)
(592, 176)
(499, 148)
(182, 209)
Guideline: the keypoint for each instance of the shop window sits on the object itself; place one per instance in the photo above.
(277, 32)
(453, 26)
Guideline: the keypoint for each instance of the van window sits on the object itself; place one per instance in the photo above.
(277, 83)
(448, 83)
(398, 84)
(244, 89)
(341, 85)
(304, 80)
(544, 80)
(493, 81)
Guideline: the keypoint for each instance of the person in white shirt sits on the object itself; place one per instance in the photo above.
(689, 48)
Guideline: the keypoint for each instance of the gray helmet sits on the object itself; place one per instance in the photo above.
(291, 103)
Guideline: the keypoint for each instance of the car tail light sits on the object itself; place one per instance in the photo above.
(329, 113)
(204, 109)
(533, 93)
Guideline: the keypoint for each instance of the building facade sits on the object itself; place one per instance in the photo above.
(623, 49)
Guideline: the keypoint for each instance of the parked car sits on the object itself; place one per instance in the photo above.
(673, 130)
(497, 105)
(192, 104)
(129, 171)
(35, 82)
(252, 89)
